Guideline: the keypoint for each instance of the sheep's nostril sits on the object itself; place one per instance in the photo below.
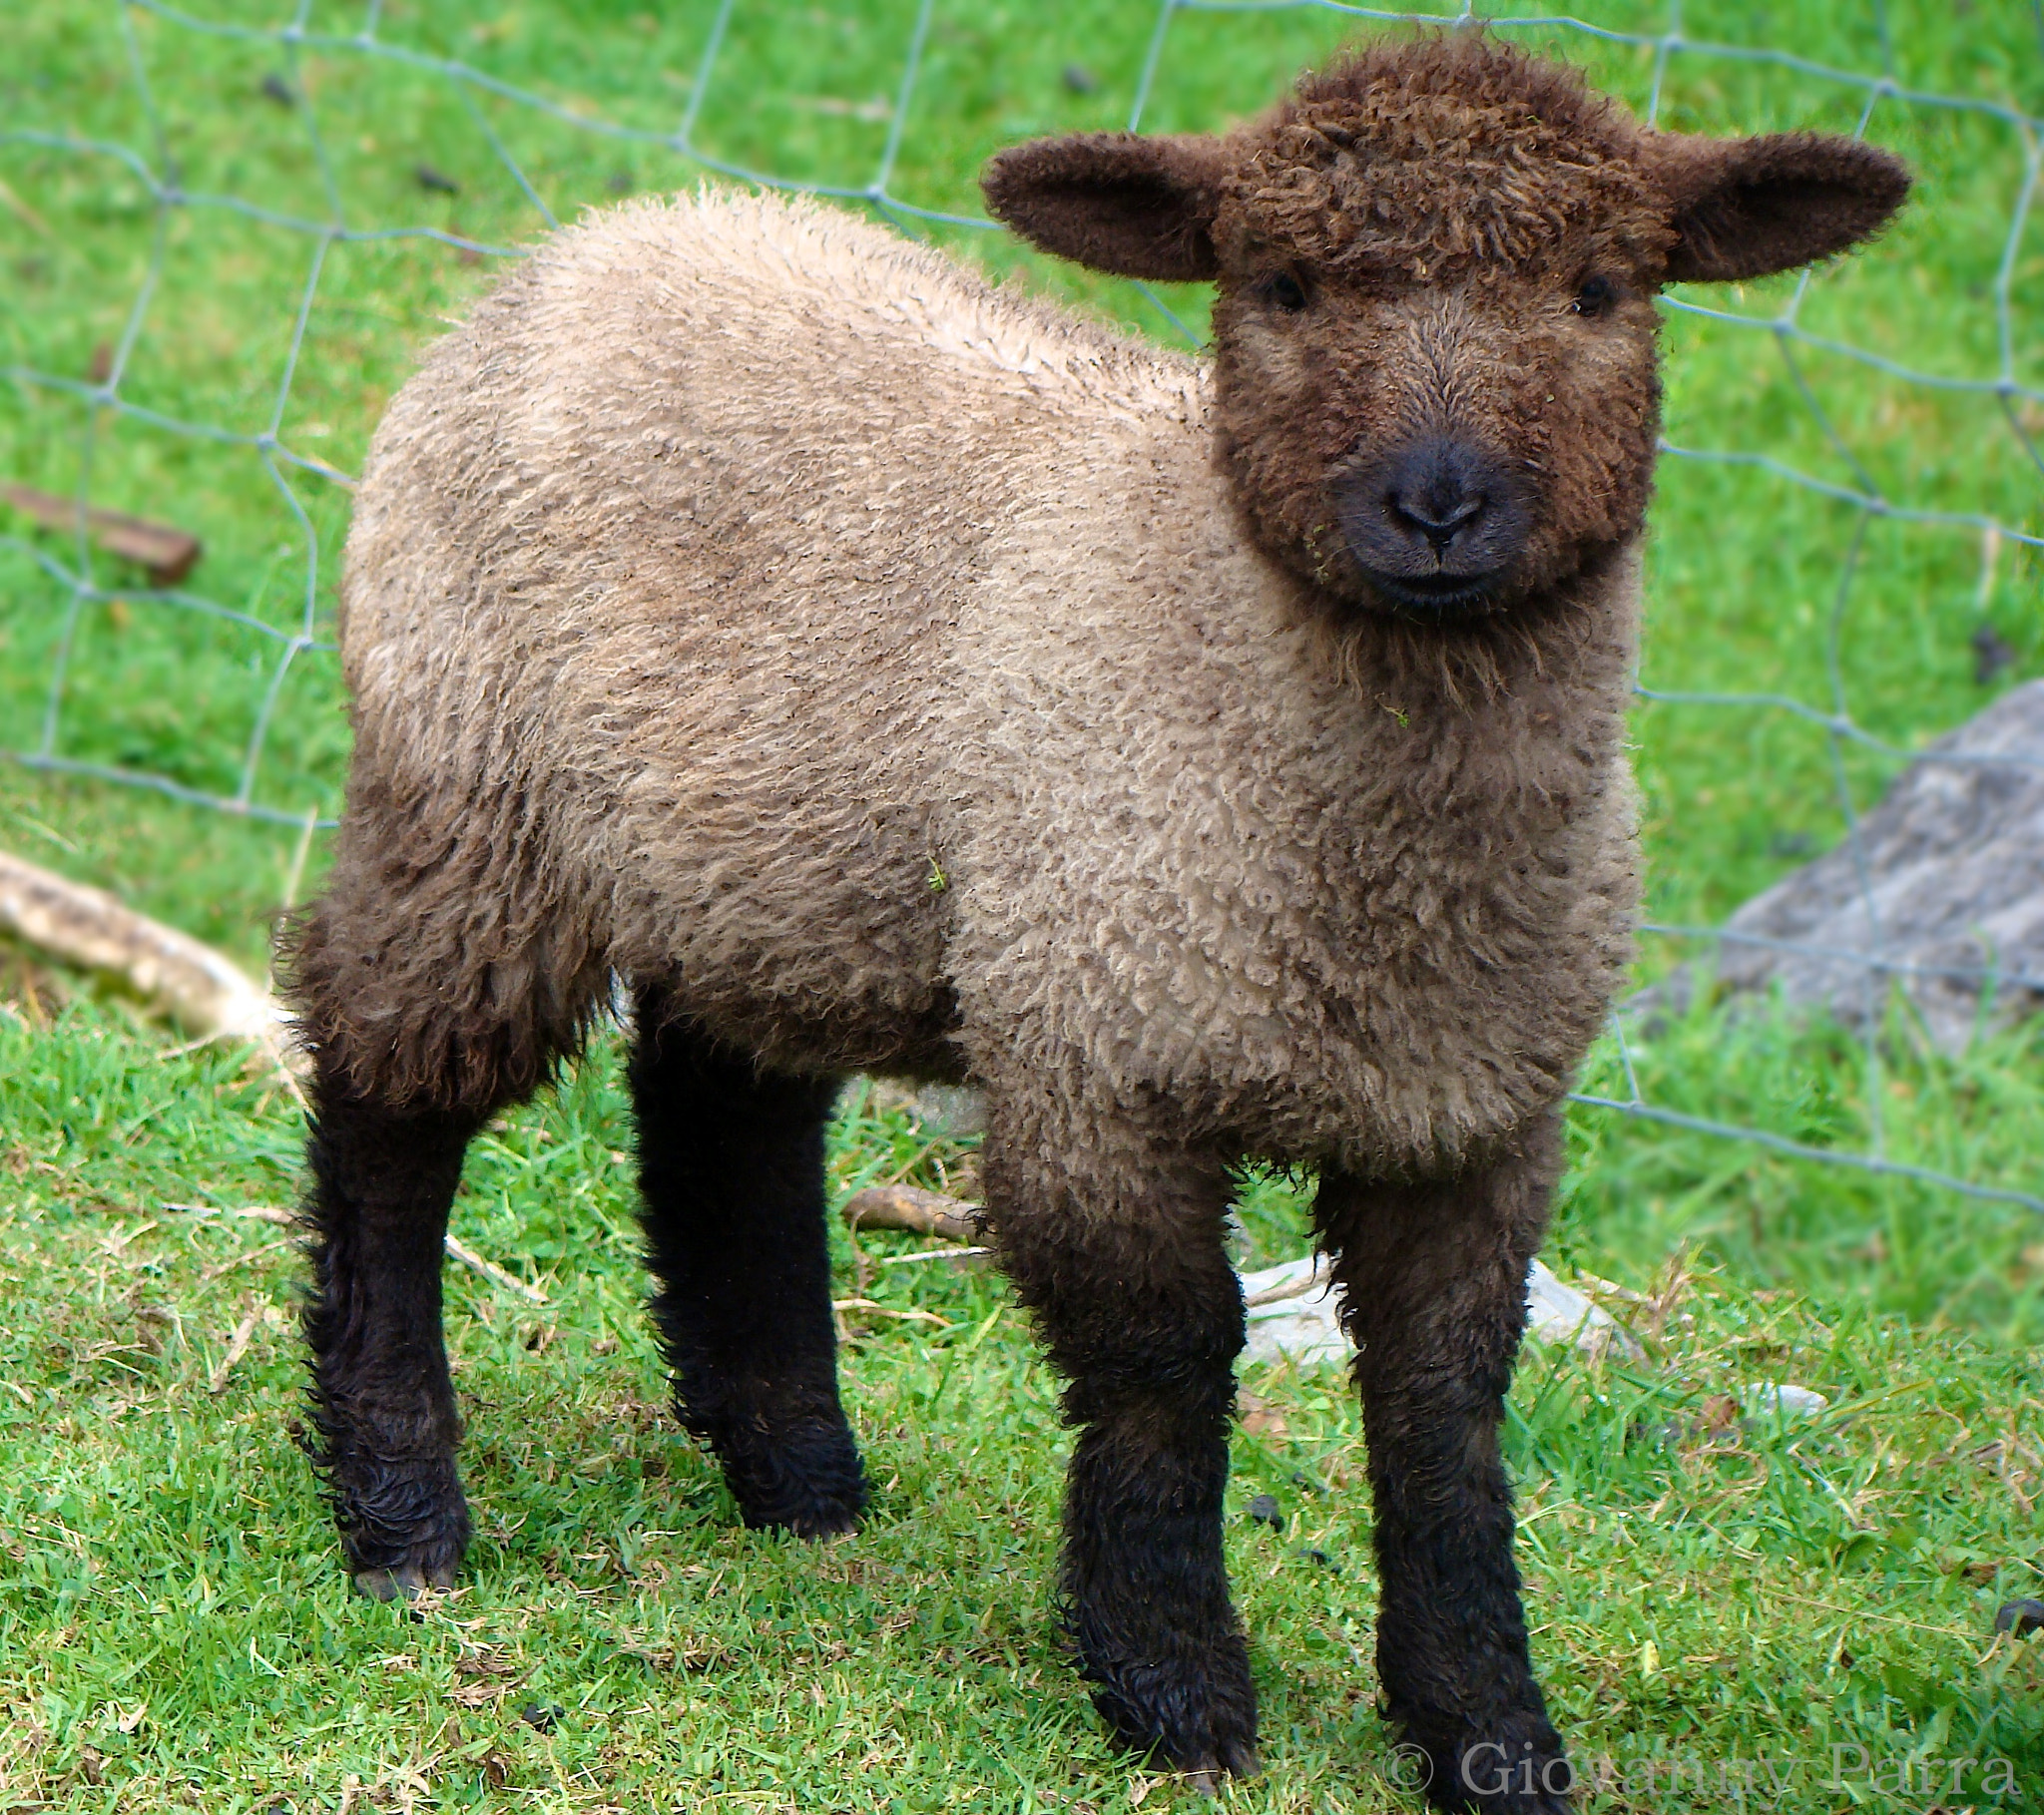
(1437, 518)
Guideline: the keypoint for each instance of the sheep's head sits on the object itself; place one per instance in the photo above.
(1434, 329)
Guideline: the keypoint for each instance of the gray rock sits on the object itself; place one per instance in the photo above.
(1952, 892)
(1297, 1316)
(1559, 1314)
(1773, 1402)
(951, 1111)
(2022, 1617)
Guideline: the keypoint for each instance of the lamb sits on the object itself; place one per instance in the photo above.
(882, 673)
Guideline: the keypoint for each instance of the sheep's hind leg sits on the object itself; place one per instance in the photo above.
(381, 1183)
(730, 1159)
(1433, 1283)
(1118, 1247)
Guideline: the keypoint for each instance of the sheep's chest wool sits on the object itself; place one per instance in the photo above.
(1325, 892)
(1211, 761)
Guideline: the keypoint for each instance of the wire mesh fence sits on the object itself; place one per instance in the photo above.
(232, 226)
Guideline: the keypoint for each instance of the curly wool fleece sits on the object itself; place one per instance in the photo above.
(739, 562)
(1423, 163)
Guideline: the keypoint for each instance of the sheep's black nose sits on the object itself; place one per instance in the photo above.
(1436, 522)
(1437, 490)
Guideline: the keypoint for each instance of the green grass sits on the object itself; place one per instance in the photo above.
(176, 1628)
(173, 1624)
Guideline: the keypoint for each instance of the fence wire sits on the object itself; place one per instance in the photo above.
(80, 573)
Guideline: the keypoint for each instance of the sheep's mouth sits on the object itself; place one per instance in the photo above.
(1437, 596)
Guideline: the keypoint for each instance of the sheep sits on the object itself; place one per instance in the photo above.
(878, 671)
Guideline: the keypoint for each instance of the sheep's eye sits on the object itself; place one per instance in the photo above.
(1284, 292)
(1595, 297)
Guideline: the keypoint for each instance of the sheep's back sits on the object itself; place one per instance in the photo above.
(652, 594)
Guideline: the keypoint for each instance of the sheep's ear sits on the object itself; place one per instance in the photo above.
(1746, 207)
(1115, 201)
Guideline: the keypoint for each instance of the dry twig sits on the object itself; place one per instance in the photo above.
(193, 983)
(954, 1255)
(489, 1269)
(866, 1307)
(228, 1267)
(238, 1346)
(1314, 1282)
(256, 1212)
(902, 1206)
(457, 1248)
(167, 553)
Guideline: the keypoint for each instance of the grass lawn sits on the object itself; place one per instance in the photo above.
(175, 1628)
(1718, 1601)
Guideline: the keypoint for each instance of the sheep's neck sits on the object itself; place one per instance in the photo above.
(1507, 732)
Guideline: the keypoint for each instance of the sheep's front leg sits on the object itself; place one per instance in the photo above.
(1116, 1244)
(380, 1187)
(1433, 1283)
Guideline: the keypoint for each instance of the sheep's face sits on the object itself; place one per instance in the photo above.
(1434, 329)
(1437, 446)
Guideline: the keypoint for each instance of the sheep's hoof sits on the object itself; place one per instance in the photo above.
(1206, 1734)
(819, 1512)
(1235, 1761)
(830, 1525)
(806, 1480)
(1489, 1778)
(818, 1518)
(405, 1583)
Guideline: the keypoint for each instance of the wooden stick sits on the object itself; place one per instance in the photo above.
(198, 987)
(1610, 1288)
(167, 554)
(12, 201)
(1276, 1294)
(868, 1308)
(238, 1346)
(456, 1248)
(260, 1212)
(489, 1269)
(228, 1267)
(902, 1206)
(954, 1255)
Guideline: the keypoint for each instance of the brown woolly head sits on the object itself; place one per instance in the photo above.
(1434, 333)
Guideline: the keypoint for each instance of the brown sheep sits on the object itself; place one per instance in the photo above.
(883, 673)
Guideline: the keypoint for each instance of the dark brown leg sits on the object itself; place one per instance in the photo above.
(1433, 1282)
(434, 985)
(383, 1404)
(731, 1163)
(1116, 1246)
